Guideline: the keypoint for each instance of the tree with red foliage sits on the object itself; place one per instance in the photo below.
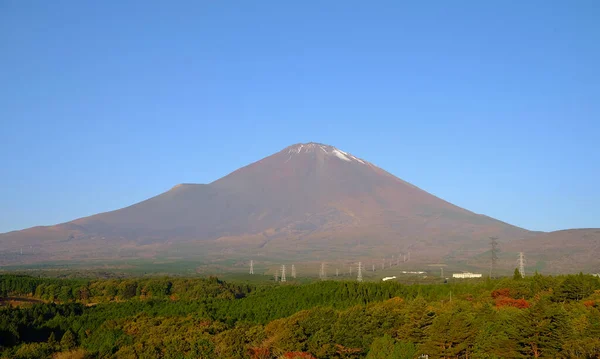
(298, 355)
(502, 292)
(260, 353)
(509, 302)
(589, 303)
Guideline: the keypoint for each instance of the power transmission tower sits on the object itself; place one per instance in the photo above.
(251, 267)
(283, 273)
(494, 245)
(408, 257)
(442, 268)
(522, 264)
(337, 272)
(405, 257)
(392, 261)
(359, 277)
(293, 271)
(350, 269)
(276, 275)
(398, 260)
(322, 273)
(373, 268)
(383, 264)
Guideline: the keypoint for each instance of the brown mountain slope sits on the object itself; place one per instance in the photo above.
(562, 251)
(307, 197)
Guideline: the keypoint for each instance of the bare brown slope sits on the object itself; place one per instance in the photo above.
(306, 179)
(310, 192)
(562, 251)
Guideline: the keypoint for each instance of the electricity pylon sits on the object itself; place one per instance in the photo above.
(359, 277)
(494, 245)
(322, 273)
(522, 264)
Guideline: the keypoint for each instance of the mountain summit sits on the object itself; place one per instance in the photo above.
(307, 198)
(322, 149)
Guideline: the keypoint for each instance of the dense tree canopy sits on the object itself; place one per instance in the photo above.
(538, 316)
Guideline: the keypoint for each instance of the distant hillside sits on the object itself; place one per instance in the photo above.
(562, 251)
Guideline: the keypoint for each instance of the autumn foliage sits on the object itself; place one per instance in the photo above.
(298, 355)
(510, 302)
(260, 353)
(503, 298)
(590, 303)
(502, 292)
(544, 316)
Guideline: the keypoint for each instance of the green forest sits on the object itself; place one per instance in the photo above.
(535, 317)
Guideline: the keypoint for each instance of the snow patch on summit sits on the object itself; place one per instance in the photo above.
(357, 159)
(328, 150)
(340, 154)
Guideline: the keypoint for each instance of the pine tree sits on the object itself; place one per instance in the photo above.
(68, 340)
(387, 348)
(541, 329)
(52, 338)
(517, 275)
(452, 334)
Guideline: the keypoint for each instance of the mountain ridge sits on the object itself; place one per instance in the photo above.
(305, 196)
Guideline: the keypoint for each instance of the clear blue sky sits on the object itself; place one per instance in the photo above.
(491, 105)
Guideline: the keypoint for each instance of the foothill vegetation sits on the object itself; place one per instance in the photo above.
(534, 317)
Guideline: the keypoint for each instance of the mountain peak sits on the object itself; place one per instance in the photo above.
(314, 147)
(306, 198)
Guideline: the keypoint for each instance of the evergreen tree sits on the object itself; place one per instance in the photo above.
(418, 317)
(387, 348)
(517, 275)
(52, 339)
(68, 340)
(541, 329)
(452, 334)
(381, 348)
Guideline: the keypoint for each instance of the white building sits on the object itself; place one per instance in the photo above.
(466, 275)
(388, 278)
